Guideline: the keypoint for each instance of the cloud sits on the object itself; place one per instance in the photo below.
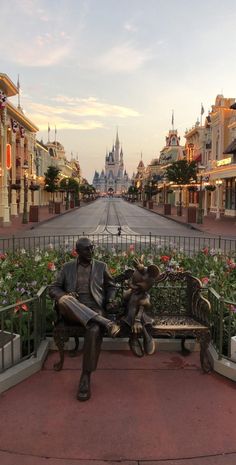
(124, 58)
(69, 113)
(130, 27)
(91, 106)
(44, 50)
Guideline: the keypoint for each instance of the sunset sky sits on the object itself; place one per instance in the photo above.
(88, 67)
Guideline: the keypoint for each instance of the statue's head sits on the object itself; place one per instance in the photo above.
(84, 248)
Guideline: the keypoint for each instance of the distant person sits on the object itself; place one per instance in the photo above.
(84, 290)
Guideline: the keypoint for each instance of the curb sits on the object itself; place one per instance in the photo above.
(168, 217)
(55, 216)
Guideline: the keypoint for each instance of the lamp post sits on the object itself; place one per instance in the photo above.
(67, 194)
(200, 209)
(218, 184)
(179, 208)
(25, 212)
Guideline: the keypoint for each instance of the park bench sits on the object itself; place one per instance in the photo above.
(178, 308)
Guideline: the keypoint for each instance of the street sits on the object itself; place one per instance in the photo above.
(105, 215)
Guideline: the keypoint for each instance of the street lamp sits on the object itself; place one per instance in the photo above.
(25, 212)
(67, 193)
(218, 184)
(200, 209)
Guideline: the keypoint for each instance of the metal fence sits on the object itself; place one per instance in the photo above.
(223, 324)
(189, 245)
(22, 328)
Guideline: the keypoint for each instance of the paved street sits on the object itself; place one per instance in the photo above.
(104, 216)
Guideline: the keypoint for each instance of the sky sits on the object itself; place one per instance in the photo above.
(88, 67)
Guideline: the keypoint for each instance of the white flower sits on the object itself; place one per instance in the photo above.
(37, 258)
(23, 251)
(8, 276)
(50, 247)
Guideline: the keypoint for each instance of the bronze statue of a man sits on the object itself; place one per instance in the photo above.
(84, 290)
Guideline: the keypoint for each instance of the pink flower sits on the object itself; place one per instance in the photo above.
(131, 247)
(51, 266)
(233, 308)
(205, 280)
(3, 256)
(231, 264)
(165, 258)
(205, 251)
(74, 253)
(25, 307)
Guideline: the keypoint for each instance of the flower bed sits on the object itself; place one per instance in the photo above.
(22, 274)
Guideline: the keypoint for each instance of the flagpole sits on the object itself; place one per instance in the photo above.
(48, 133)
(18, 88)
(201, 115)
(55, 135)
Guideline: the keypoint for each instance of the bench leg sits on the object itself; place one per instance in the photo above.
(74, 352)
(204, 340)
(184, 350)
(60, 343)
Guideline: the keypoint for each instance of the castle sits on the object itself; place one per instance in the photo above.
(114, 179)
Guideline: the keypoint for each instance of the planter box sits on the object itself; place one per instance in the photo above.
(233, 348)
(10, 349)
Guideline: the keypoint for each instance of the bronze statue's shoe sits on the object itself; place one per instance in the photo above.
(148, 342)
(136, 346)
(84, 392)
(149, 346)
(113, 329)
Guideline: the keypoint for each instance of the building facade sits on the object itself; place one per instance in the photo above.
(17, 154)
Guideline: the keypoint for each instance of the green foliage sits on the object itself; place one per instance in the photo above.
(182, 172)
(51, 179)
(69, 184)
(22, 274)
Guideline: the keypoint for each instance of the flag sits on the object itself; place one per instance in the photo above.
(49, 128)
(172, 120)
(55, 130)
(202, 109)
(18, 83)
(3, 99)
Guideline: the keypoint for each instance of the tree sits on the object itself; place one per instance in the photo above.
(182, 172)
(51, 179)
(69, 184)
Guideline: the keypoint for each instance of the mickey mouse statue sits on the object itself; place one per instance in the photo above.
(137, 300)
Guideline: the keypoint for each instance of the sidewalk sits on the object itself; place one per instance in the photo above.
(157, 410)
(225, 226)
(17, 227)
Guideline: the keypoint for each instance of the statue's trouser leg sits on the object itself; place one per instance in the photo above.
(76, 312)
(92, 347)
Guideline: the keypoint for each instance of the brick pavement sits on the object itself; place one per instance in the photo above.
(225, 226)
(157, 410)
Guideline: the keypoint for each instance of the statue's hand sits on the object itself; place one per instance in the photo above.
(137, 327)
(74, 294)
(112, 306)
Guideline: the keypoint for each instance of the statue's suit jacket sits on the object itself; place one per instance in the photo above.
(102, 286)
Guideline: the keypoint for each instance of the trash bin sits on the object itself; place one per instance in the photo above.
(72, 204)
(34, 214)
(167, 209)
(57, 206)
(192, 215)
(50, 206)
